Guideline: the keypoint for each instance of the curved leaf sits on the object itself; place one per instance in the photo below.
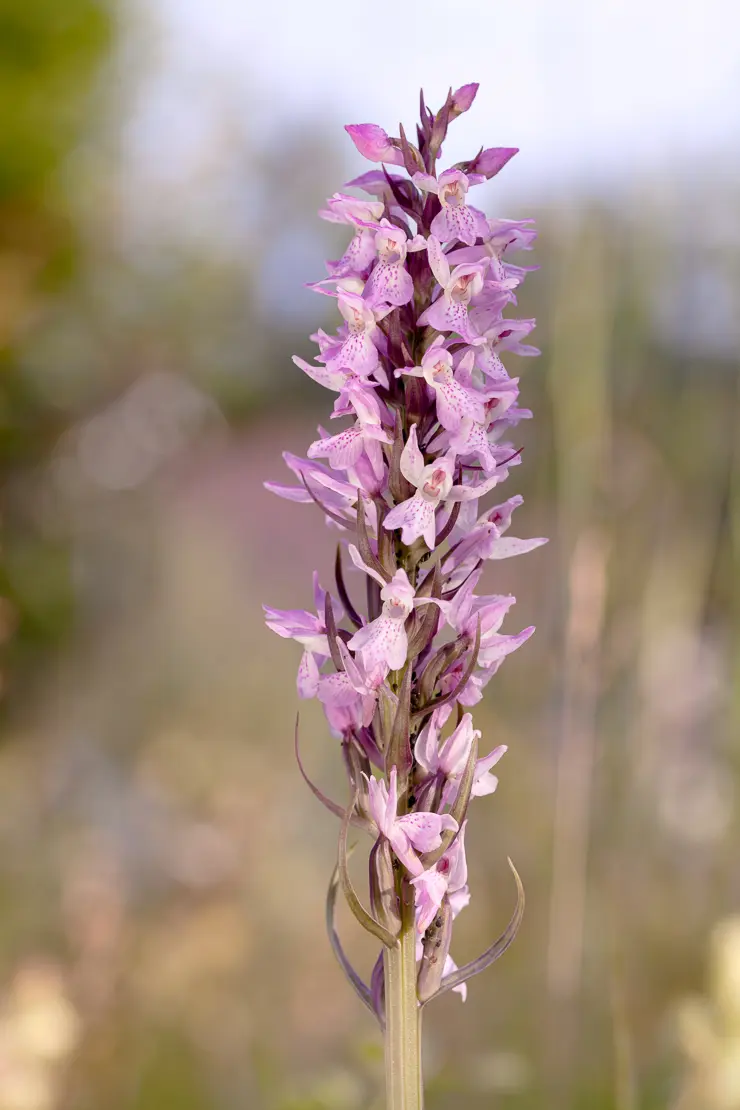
(361, 988)
(333, 807)
(497, 948)
(344, 597)
(365, 919)
(363, 541)
(331, 632)
(329, 512)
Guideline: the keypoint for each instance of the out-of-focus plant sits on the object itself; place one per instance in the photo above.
(50, 55)
(709, 1029)
(39, 1029)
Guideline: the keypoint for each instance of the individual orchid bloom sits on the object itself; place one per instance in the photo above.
(447, 878)
(470, 436)
(470, 440)
(384, 642)
(318, 484)
(309, 630)
(489, 661)
(502, 335)
(487, 541)
(454, 400)
(349, 696)
(500, 236)
(474, 438)
(517, 235)
(385, 186)
(343, 450)
(506, 335)
(448, 760)
(341, 208)
(360, 254)
(465, 611)
(456, 219)
(357, 351)
(434, 487)
(390, 282)
(374, 143)
(410, 834)
(450, 310)
(331, 286)
(340, 379)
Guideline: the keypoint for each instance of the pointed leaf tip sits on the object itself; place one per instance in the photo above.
(365, 919)
(333, 807)
(497, 949)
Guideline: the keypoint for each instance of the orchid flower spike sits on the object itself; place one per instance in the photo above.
(414, 368)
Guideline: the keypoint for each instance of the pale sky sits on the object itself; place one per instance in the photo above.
(595, 88)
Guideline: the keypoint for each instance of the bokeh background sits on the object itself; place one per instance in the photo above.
(162, 867)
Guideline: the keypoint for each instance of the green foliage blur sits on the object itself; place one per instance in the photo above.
(50, 59)
(162, 867)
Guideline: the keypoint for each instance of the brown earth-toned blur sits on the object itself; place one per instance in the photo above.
(163, 868)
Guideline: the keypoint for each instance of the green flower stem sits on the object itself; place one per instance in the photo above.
(403, 1015)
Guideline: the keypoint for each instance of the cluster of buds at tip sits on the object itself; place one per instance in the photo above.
(405, 647)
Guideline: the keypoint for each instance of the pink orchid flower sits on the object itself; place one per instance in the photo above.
(340, 379)
(454, 400)
(338, 496)
(390, 282)
(502, 335)
(448, 878)
(357, 351)
(384, 642)
(416, 516)
(487, 541)
(410, 834)
(464, 612)
(309, 630)
(344, 449)
(450, 310)
(349, 697)
(456, 219)
(448, 760)
(474, 435)
(360, 254)
(374, 143)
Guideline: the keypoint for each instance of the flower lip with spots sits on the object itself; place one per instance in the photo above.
(454, 400)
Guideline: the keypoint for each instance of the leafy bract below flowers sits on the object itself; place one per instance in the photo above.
(415, 364)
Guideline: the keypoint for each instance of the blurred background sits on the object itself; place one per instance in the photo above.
(162, 867)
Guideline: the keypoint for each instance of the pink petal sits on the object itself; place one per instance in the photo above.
(416, 518)
(373, 143)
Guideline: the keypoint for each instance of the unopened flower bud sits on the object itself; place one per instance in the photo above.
(462, 99)
(435, 951)
(384, 899)
(489, 162)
